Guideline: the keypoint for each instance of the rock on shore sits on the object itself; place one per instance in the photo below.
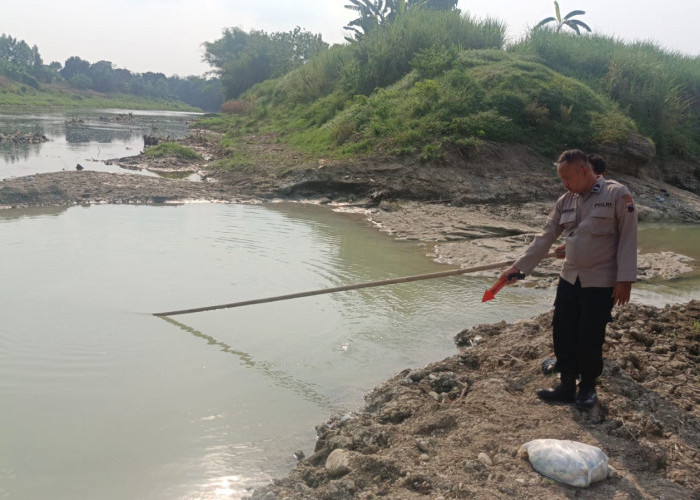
(23, 138)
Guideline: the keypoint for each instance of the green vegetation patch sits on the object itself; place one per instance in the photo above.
(58, 96)
(172, 149)
(659, 90)
(477, 95)
(432, 82)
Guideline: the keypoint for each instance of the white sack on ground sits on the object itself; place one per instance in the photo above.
(570, 462)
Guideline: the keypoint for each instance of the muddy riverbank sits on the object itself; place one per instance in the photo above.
(453, 429)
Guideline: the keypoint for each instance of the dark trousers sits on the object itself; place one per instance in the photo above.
(580, 317)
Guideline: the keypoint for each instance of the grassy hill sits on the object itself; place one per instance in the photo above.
(435, 83)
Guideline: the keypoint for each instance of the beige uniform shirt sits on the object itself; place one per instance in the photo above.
(601, 236)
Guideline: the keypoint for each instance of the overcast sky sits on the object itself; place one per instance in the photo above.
(166, 35)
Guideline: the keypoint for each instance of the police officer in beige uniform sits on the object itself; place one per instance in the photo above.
(599, 221)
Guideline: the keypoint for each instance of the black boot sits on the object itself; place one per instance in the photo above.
(565, 392)
(587, 395)
(549, 366)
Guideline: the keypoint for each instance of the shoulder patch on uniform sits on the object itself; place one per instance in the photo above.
(629, 203)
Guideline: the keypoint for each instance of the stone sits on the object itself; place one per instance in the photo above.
(443, 382)
(628, 158)
(422, 445)
(485, 459)
(338, 463)
(416, 375)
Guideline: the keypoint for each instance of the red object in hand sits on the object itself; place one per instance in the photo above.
(490, 294)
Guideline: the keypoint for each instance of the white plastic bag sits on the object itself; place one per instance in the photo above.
(570, 462)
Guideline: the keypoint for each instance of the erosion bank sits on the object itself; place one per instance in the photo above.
(453, 428)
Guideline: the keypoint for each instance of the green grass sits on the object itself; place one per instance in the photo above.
(381, 58)
(54, 96)
(482, 95)
(235, 162)
(432, 83)
(659, 90)
(171, 149)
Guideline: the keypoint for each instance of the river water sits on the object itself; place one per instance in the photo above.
(101, 399)
(83, 137)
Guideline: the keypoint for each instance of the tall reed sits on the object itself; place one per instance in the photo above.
(383, 56)
(659, 89)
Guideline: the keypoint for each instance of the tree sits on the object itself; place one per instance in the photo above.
(122, 79)
(75, 66)
(291, 49)
(434, 4)
(574, 24)
(102, 74)
(206, 94)
(24, 56)
(373, 13)
(232, 42)
(155, 84)
(243, 59)
(248, 66)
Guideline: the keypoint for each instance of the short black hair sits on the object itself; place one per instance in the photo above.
(572, 156)
(598, 164)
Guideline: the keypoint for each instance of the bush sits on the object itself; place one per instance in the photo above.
(483, 95)
(611, 126)
(659, 90)
(166, 149)
(325, 108)
(236, 107)
(433, 61)
(385, 54)
(486, 124)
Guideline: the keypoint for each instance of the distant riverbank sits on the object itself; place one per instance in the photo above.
(61, 97)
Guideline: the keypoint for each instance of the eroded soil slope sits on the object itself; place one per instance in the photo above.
(453, 429)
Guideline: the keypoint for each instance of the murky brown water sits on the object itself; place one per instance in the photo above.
(100, 399)
(85, 137)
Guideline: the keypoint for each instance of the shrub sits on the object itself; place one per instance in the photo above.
(611, 126)
(432, 81)
(325, 108)
(431, 153)
(165, 149)
(659, 90)
(385, 54)
(486, 124)
(236, 107)
(433, 61)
